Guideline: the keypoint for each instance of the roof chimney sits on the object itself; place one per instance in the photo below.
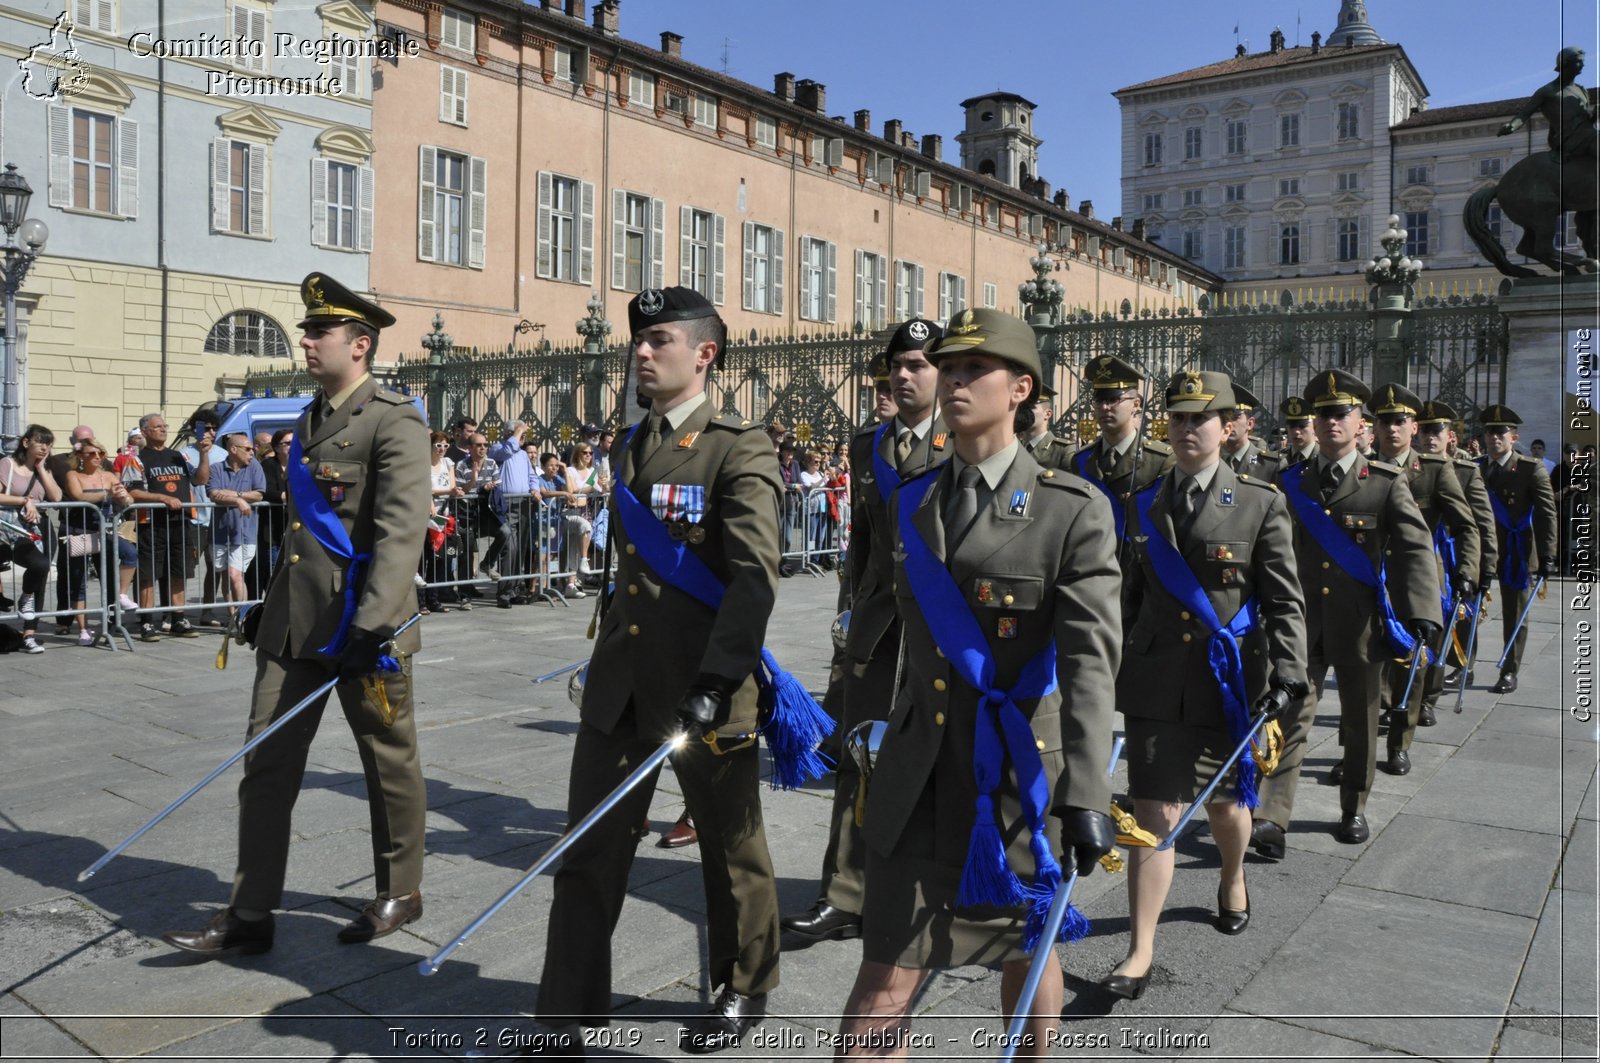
(891, 131)
(810, 95)
(608, 17)
(933, 147)
(1316, 41)
(578, 9)
(783, 86)
(1138, 228)
(672, 44)
(552, 5)
(864, 121)
(1041, 188)
(1062, 200)
(1116, 223)
(1277, 39)
(1086, 208)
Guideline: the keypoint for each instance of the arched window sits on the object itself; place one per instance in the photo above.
(247, 333)
(986, 167)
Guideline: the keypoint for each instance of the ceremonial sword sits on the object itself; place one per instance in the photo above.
(1538, 588)
(1472, 644)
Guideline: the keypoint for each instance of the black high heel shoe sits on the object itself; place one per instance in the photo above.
(1125, 986)
(1229, 921)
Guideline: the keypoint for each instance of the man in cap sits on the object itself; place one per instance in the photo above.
(1454, 530)
(1524, 507)
(1302, 441)
(1436, 436)
(1364, 436)
(358, 485)
(665, 663)
(1047, 448)
(882, 456)
(1109, 462)
(1026, 555)
(1244, 453)
(883, 404)
(1361, 545)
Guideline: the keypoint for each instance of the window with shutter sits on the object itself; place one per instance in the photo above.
(427, 204)
(458, 30)
(763, 262)
(831, 310)
(452, 95)
(320, 220)
(250, 31)
(700, 251)
(221, 182)
(367, 193)
(477, 212)
(98, 15)
(127, 203)
(585, 232)
(257, 217)
(719, 271)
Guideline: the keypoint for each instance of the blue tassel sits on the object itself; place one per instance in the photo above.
(1075, 927)
(1248, 796)
(795, 727)
(987, 878)
(388, 664)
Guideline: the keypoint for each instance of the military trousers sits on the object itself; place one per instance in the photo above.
(1360, 692)
(723, 795)
(1426, 688)
(868, 688)
(397, 797)
(1512, 602)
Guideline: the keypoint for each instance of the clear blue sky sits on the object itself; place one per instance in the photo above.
(918, 61)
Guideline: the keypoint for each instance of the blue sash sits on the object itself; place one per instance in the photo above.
(1514, 569)
(1444, 545)
(1178, 580)
(795, 724)
(888, 475)
(1001, 732)
(1119, 513)
(317, 514)
(1350, 558)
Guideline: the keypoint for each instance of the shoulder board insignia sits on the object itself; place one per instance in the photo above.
(687, 442)
(393, 398)
(733, 422)
(938, 440)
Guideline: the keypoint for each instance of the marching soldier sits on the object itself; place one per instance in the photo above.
(1108, 462)
(1525, 528)
(358, 485)
(1047, 448)
(1436, 435)
(881, 458)
(665, 662)
(1007, 584)
(1212, 551)
(1243, 452)
(1366, 566)
(1438, 494)
(1302, 441)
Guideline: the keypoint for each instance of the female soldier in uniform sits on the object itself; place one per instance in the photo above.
(1006, 581)
(1201, 529)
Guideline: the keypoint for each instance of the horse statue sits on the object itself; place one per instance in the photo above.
(1536, 191)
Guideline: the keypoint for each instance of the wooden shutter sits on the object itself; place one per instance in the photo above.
(60, 156)
(777, 271)
(586, 232)
(749, 265)
(686, 247)
(127, 168)
(880, 294)
(260, 176)
(478, 211)
(717, 256)
(805, 274)
(831, 309)
(916, 303)
(619, 237)
(861, 286)
(658, 244)
(319, 202)
(221, 151)
(427, 238)
(366, 189)
(542, 264)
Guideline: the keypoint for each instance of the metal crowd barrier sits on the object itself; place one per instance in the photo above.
(814, 529)
(87, 556)
(532, 549)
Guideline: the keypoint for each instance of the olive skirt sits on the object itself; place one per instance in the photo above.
(1173, 762)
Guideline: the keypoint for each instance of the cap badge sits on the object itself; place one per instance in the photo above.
(917, 330)
(965, 324)
(1191, 383)
(314, 286)
(651, 302)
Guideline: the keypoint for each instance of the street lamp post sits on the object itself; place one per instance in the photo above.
(25, 238)
(1393, 276)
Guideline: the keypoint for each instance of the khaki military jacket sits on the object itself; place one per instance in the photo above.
(1241, 546)
(1255, 460)
(1521, 486)
(1050, 451)
(1373, 505)
(1033, 571)
(655, 639)
(370, 460)
(871, 553)
(1154, 460)
(1439, 495)
(1471, 479)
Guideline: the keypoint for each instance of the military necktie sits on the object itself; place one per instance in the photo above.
(1190, 498)
(1107, 461)
(652, 439)
(961, 509)
(902, 448)
(1332, 476)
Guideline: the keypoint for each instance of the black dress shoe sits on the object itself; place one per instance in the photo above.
(1507, 684)
(1121, 985)
(383, 916)
(725, 1025)
(1336, 774)
(1266, 838)
(1426, 718)
(1353, 829)
(224, 934)
(1229, 920)
(823, 922)
(1398, 763)
(1452, 680)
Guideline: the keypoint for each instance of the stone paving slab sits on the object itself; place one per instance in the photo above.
(1559, 976)
(321, 1027)
(24, 1033)
(1494, 868)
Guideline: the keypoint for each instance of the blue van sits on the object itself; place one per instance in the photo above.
(254, 415)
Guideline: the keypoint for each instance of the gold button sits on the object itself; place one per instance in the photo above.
(633, 588)
(295, 526)
(333, 474)
(1325, 590)
(938, 719)
(1040, 743)
(1185, 615)
(294, 559)
(633, 629)
(938, 651)
(1007, 600)
(305, 461)
(1328, 512)
(1324, 564)
(939, 684)
(1187, 637)
(631, 549)
(1049, 474)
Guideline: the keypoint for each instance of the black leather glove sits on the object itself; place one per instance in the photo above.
(707, 704)
(1279, 700)
(250, 625)
(1426, 631)
(1087, 835)
(1465, 587)
(361, 652)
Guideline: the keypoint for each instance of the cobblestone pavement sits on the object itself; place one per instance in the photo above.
(1465, 929)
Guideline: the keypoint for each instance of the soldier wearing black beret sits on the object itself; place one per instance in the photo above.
(1302, 441)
